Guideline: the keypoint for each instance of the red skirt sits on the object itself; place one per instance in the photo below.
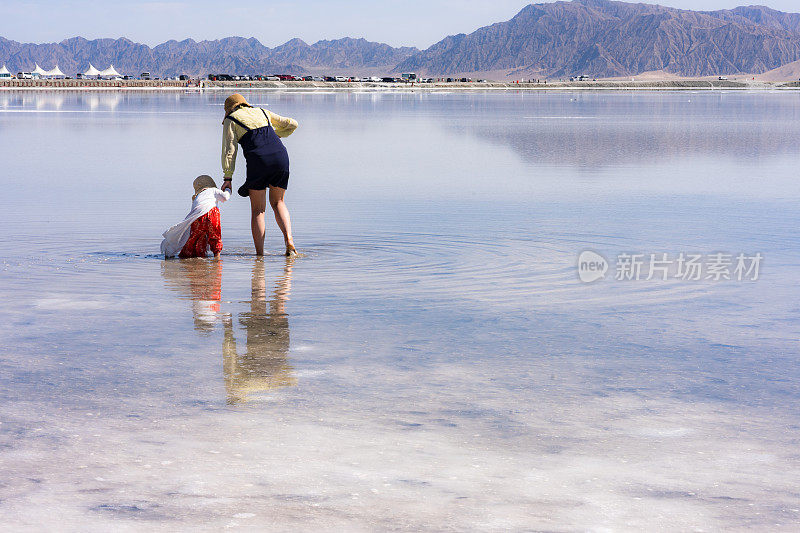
(205, 234)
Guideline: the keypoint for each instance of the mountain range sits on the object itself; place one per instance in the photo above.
(601, 38)
(236, 55)
(606, 38)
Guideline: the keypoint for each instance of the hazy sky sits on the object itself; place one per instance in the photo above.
(398, 22)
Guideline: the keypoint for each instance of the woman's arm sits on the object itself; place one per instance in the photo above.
(283, 126)
(229, 149)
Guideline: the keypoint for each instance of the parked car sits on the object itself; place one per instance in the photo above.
(723, 78)
(330, 78)
(387, 79)
(340, 78)
(145, 76)
(273, 78)
(24, 76)
(317, 78)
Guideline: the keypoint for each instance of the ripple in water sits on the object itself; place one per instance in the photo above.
(517, 273)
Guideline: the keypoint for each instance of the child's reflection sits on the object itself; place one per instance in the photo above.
(200, 280)
(264, 365)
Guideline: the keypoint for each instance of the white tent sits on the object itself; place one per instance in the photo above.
(4, 73)
(38, 71)
(92, 71)
(55, 73)
(110, 72)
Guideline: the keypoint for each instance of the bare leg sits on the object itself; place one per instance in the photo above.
(281, 215)
(258, 204)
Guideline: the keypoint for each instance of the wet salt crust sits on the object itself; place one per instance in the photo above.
(432, 360)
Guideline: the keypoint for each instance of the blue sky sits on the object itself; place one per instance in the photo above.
(398, 22)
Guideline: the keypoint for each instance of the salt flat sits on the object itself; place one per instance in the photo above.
(432, 360)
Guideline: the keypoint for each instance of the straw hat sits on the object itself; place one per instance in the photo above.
(202, 183)
(234, 101)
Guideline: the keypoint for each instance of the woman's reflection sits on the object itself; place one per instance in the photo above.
(264, 365)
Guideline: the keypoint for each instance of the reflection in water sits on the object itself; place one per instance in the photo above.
(590, 131)
(61, 100)
(264, 364)
(201, 281)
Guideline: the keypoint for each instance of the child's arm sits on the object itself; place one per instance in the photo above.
(222, 196)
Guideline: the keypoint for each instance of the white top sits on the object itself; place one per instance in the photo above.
(176, 236)
(92, 71)
(110, 71)
(55, 72)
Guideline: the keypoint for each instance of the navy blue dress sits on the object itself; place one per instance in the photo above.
(266, 157)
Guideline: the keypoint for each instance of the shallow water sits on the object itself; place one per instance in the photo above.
(431, 360)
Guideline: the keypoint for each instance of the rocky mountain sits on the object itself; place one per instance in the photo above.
(763, 16)
(234, 55)
(340, 54)
(607, 38)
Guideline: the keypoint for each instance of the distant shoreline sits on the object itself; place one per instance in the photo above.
(300, 86)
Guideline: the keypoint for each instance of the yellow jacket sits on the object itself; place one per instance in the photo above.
(252, 117)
